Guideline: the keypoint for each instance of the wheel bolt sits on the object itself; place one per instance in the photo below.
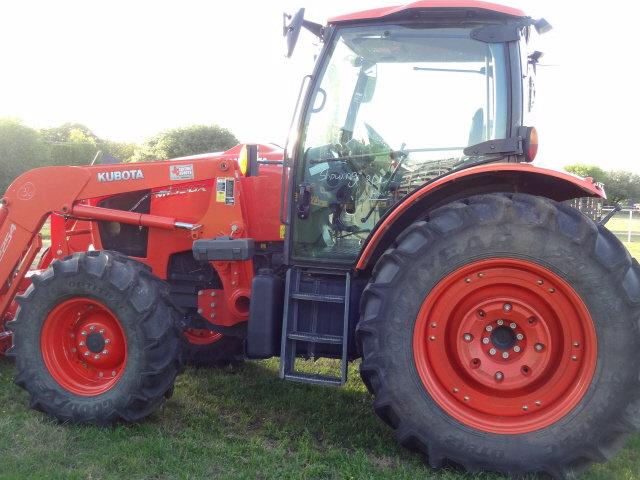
(104, 352)
(485, 340)
(520, 336)
(83, 333)
(574, 358)
(432, 338)
(96, 357)
(539, 282)
(492, 351)
(499, 376)
(100, 374)
(488, 328)
(107, 341)
(102, 331)
(513, 326)
(538, 403)
(481, 313)
(516, 349)
(86, 354)
(552, 290)
(539, 347)
(500, 322)
(92, 327)
(113, 374)
(576, 344)
(525, 408)
(434, 325)
(505, 355)
(467, 337)
(468, 280)
(81, 344)
(507, 307)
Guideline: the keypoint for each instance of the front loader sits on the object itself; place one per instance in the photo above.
(404, 224)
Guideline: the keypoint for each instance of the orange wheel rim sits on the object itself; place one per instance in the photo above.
(505, 346)
(83, 346)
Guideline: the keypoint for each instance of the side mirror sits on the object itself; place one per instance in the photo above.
(291, 30)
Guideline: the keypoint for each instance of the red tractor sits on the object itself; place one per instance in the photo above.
(404, 225)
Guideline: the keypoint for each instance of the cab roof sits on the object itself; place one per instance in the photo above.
(379, 13)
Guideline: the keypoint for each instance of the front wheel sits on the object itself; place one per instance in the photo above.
(96, 340)
(503, 334)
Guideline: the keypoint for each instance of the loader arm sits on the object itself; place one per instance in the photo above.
(38, 193)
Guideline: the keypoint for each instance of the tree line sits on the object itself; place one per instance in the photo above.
(621, 186)
(23, 148)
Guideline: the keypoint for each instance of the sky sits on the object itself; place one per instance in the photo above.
(129, 69)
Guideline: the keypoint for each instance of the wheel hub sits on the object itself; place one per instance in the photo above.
(503, 338)
(95, 342)
(505, 346)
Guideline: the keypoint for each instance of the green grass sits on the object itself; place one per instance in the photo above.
(621, 223)
(634, 249)
(231, 424)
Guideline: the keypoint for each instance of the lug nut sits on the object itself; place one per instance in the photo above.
(492, 351)
(96, 356)
(467, 337)
(525, 408)
(488, 328)
(507, 307)
(104, 352)
(434, 325)
(513, 326)
(539, 282)
(86, 354)
(538, 403)
(107, 341)
(499, 376)
(432, 338)
(576, 344)
(485, 340)
(516, 349)
(500, 322)
(100, 374)
(539, 347)
(574, 358)
(92, 327)
(81, 344)
(83, 333)
(113, 373)
(468, 280)
(505, 355)
(481, 313)
(520, 336)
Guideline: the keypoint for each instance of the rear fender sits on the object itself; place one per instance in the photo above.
(490, 178)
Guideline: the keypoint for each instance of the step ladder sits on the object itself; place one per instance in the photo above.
(303, 318)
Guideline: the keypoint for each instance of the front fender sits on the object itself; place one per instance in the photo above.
(489, 178)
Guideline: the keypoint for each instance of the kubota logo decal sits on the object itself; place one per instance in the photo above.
(27, 192)
(7, 240)
(121, 175)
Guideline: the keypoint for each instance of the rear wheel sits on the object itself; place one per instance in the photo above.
(503, 334)
(96, 340)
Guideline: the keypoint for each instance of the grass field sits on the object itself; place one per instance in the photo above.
(232, 424)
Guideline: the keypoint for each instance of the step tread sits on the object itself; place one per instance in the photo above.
(313, 378)
(315, 338)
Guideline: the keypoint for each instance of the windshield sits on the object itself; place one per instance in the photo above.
(395, 107)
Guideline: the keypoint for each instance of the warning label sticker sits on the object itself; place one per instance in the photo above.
(181, 172)
(225, 191)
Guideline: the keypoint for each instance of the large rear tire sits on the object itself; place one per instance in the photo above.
(96, 340)
(503, 334)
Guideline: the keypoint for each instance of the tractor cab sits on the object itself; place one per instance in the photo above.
(399, 97)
